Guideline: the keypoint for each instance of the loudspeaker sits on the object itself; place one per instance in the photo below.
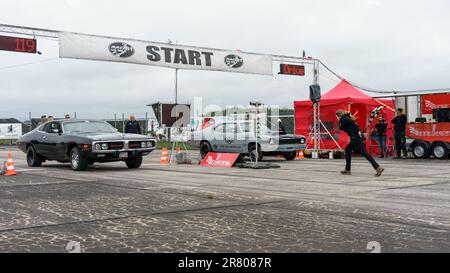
(441, 114)
(421, 120)
(314, 93)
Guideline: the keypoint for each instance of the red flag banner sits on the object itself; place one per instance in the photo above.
(430, 102)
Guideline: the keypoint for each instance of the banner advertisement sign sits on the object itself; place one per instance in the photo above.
(100, 48)
(220, 160)
(429, 131)
(10, 130)
(430, 102)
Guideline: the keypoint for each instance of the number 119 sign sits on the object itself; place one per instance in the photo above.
(18, 44)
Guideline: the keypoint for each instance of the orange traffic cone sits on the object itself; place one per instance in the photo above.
(164, 156)
(300, 155)
(10, 166)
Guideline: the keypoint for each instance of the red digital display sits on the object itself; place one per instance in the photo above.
(18, 44)
(291, 69)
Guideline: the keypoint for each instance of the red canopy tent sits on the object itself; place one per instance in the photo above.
(342, 96)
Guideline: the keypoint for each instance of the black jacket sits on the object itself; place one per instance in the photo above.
(381, 128)
(348, 125)
(133, 127)
(399, 123)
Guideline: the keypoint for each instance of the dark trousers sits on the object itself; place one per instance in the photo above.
(357, 145)
(400, 143)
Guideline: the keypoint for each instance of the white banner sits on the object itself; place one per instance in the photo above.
(90, 47)
(10, 131)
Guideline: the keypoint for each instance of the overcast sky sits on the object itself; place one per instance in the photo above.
(381, 44)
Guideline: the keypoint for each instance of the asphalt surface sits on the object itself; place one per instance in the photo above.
(305, 206)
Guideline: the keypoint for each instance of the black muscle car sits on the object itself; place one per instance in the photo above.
(83, 142)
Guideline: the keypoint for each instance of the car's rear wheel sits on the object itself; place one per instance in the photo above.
(440, 151)
(290, 156)
(205, 148)
(253, 154)
(77, 161)
(134, 162)
(33, 158)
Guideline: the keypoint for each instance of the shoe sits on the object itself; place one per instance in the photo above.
(379, 171)
(404, 157)
(346, 172)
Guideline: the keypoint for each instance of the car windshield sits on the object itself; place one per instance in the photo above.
(88, 127)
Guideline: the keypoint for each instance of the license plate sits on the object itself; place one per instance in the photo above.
(123, 155)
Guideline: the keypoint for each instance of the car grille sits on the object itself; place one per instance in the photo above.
(115, 145)
(290, 141)
(134, 144)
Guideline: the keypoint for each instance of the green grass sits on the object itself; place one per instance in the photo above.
(7, 142)
(168, 145)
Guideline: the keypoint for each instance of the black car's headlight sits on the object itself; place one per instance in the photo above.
(104, 146)
(149, 144)
(98, 146)
(143, 144)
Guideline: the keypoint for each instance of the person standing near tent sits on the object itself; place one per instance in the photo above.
(381, 127)
(399, 133)
(348, 124)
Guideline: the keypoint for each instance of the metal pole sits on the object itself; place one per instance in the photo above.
(75, 115)
(115, 120)
(419, 106)
(316, 109)
(256, 133)
(123, 123)
(146, 123)
(176, 85)
(31, 123)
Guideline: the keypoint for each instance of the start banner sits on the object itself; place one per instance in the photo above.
(430, 102)
(221, 160)
(10, 130)
(100, 48)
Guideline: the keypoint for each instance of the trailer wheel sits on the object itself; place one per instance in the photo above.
(440, 151)
(420, 151)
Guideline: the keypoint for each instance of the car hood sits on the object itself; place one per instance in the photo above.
(286, 136)
(111, 136)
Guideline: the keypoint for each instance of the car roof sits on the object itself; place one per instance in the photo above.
(80, 120)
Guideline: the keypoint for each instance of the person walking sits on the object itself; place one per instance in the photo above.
(348, 124)
(381, 127)
(399, 134)
(132, 126)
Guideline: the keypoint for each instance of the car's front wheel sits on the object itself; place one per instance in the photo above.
(205, 148)
(134, 162)
(33, 158)
(77, 161)
(290, 156)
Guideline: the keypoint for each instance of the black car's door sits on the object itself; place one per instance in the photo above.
(38, 139)
(52, 142)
